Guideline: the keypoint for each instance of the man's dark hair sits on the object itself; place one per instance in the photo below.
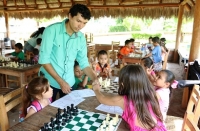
(19, 46)
(82, 9)
(156, 40)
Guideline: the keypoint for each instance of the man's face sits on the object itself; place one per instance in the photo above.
(77, 22)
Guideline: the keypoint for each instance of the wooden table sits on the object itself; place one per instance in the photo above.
(36, 121)
(135, 59)
(21, 73)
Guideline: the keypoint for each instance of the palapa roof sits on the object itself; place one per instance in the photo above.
(138, 8)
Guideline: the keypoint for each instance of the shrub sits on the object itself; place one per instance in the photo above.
(145, 35)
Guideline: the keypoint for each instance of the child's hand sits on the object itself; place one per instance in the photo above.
(93, 65)
(149, 70)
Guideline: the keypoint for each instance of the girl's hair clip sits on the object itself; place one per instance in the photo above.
(174, 84)
(26, 86)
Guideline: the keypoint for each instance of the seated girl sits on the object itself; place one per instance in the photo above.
(137, 98)
(36, 95)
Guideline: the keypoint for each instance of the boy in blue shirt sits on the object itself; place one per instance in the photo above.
(156, 54)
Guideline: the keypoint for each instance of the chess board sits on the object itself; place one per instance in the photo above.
(113, 88)
(83, 121)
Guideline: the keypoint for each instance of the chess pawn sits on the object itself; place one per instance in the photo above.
(117, 117)
(104, 124)
(114, 121)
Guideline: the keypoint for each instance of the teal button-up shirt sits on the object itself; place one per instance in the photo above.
(60, 50)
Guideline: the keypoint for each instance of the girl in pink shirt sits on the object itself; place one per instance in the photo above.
(137, 98)
(164, 80)
(36, 95)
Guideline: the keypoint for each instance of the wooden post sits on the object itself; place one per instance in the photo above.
(7, 25)
(194, 48)
(178, 32)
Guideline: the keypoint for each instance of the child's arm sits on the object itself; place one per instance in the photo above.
(84, 82)
(163, 50)
(111, 100)
(148, 55)
(30, 112)
(8, 54)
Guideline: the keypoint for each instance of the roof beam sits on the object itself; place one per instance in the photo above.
(192, 2)
(184, 2)
(98, 7)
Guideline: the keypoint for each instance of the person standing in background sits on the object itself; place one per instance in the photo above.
(31, 43)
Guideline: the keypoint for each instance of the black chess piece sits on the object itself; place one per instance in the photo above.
(52, 121)
(70, 115)
(46, 127)
(42, 129)
(59, 110)
(63, 122)
(72, 107)
(58, 127)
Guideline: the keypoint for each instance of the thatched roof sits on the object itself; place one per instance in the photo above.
(139, 8)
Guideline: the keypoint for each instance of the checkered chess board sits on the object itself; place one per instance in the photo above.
(113, 88)
(84, 121)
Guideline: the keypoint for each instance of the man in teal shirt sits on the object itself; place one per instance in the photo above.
(62, 43)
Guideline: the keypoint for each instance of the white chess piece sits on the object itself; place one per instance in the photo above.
(104, 124)
(100, 80)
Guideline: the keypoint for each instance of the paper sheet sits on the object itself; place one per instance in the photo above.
(82, 93)
(65, 101)
(110, 109)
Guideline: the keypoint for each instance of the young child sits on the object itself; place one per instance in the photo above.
(126, 50)
(36, 95)
(164, 80)
(147, 65)
(81, 80)
(137, 99)
(132, 41)
(18, 54)
(156, 54)
(102, 68)
(163, 49)
(35, 55)
(150, 44)
(39, 40)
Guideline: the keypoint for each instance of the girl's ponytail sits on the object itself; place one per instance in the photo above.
(26, 100)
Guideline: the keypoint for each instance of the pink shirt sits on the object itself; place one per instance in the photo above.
(164, 100)
(130, 119)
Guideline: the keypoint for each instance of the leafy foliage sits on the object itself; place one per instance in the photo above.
(145, 35)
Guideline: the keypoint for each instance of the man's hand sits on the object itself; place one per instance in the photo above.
(65, 87)
(96, 85)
